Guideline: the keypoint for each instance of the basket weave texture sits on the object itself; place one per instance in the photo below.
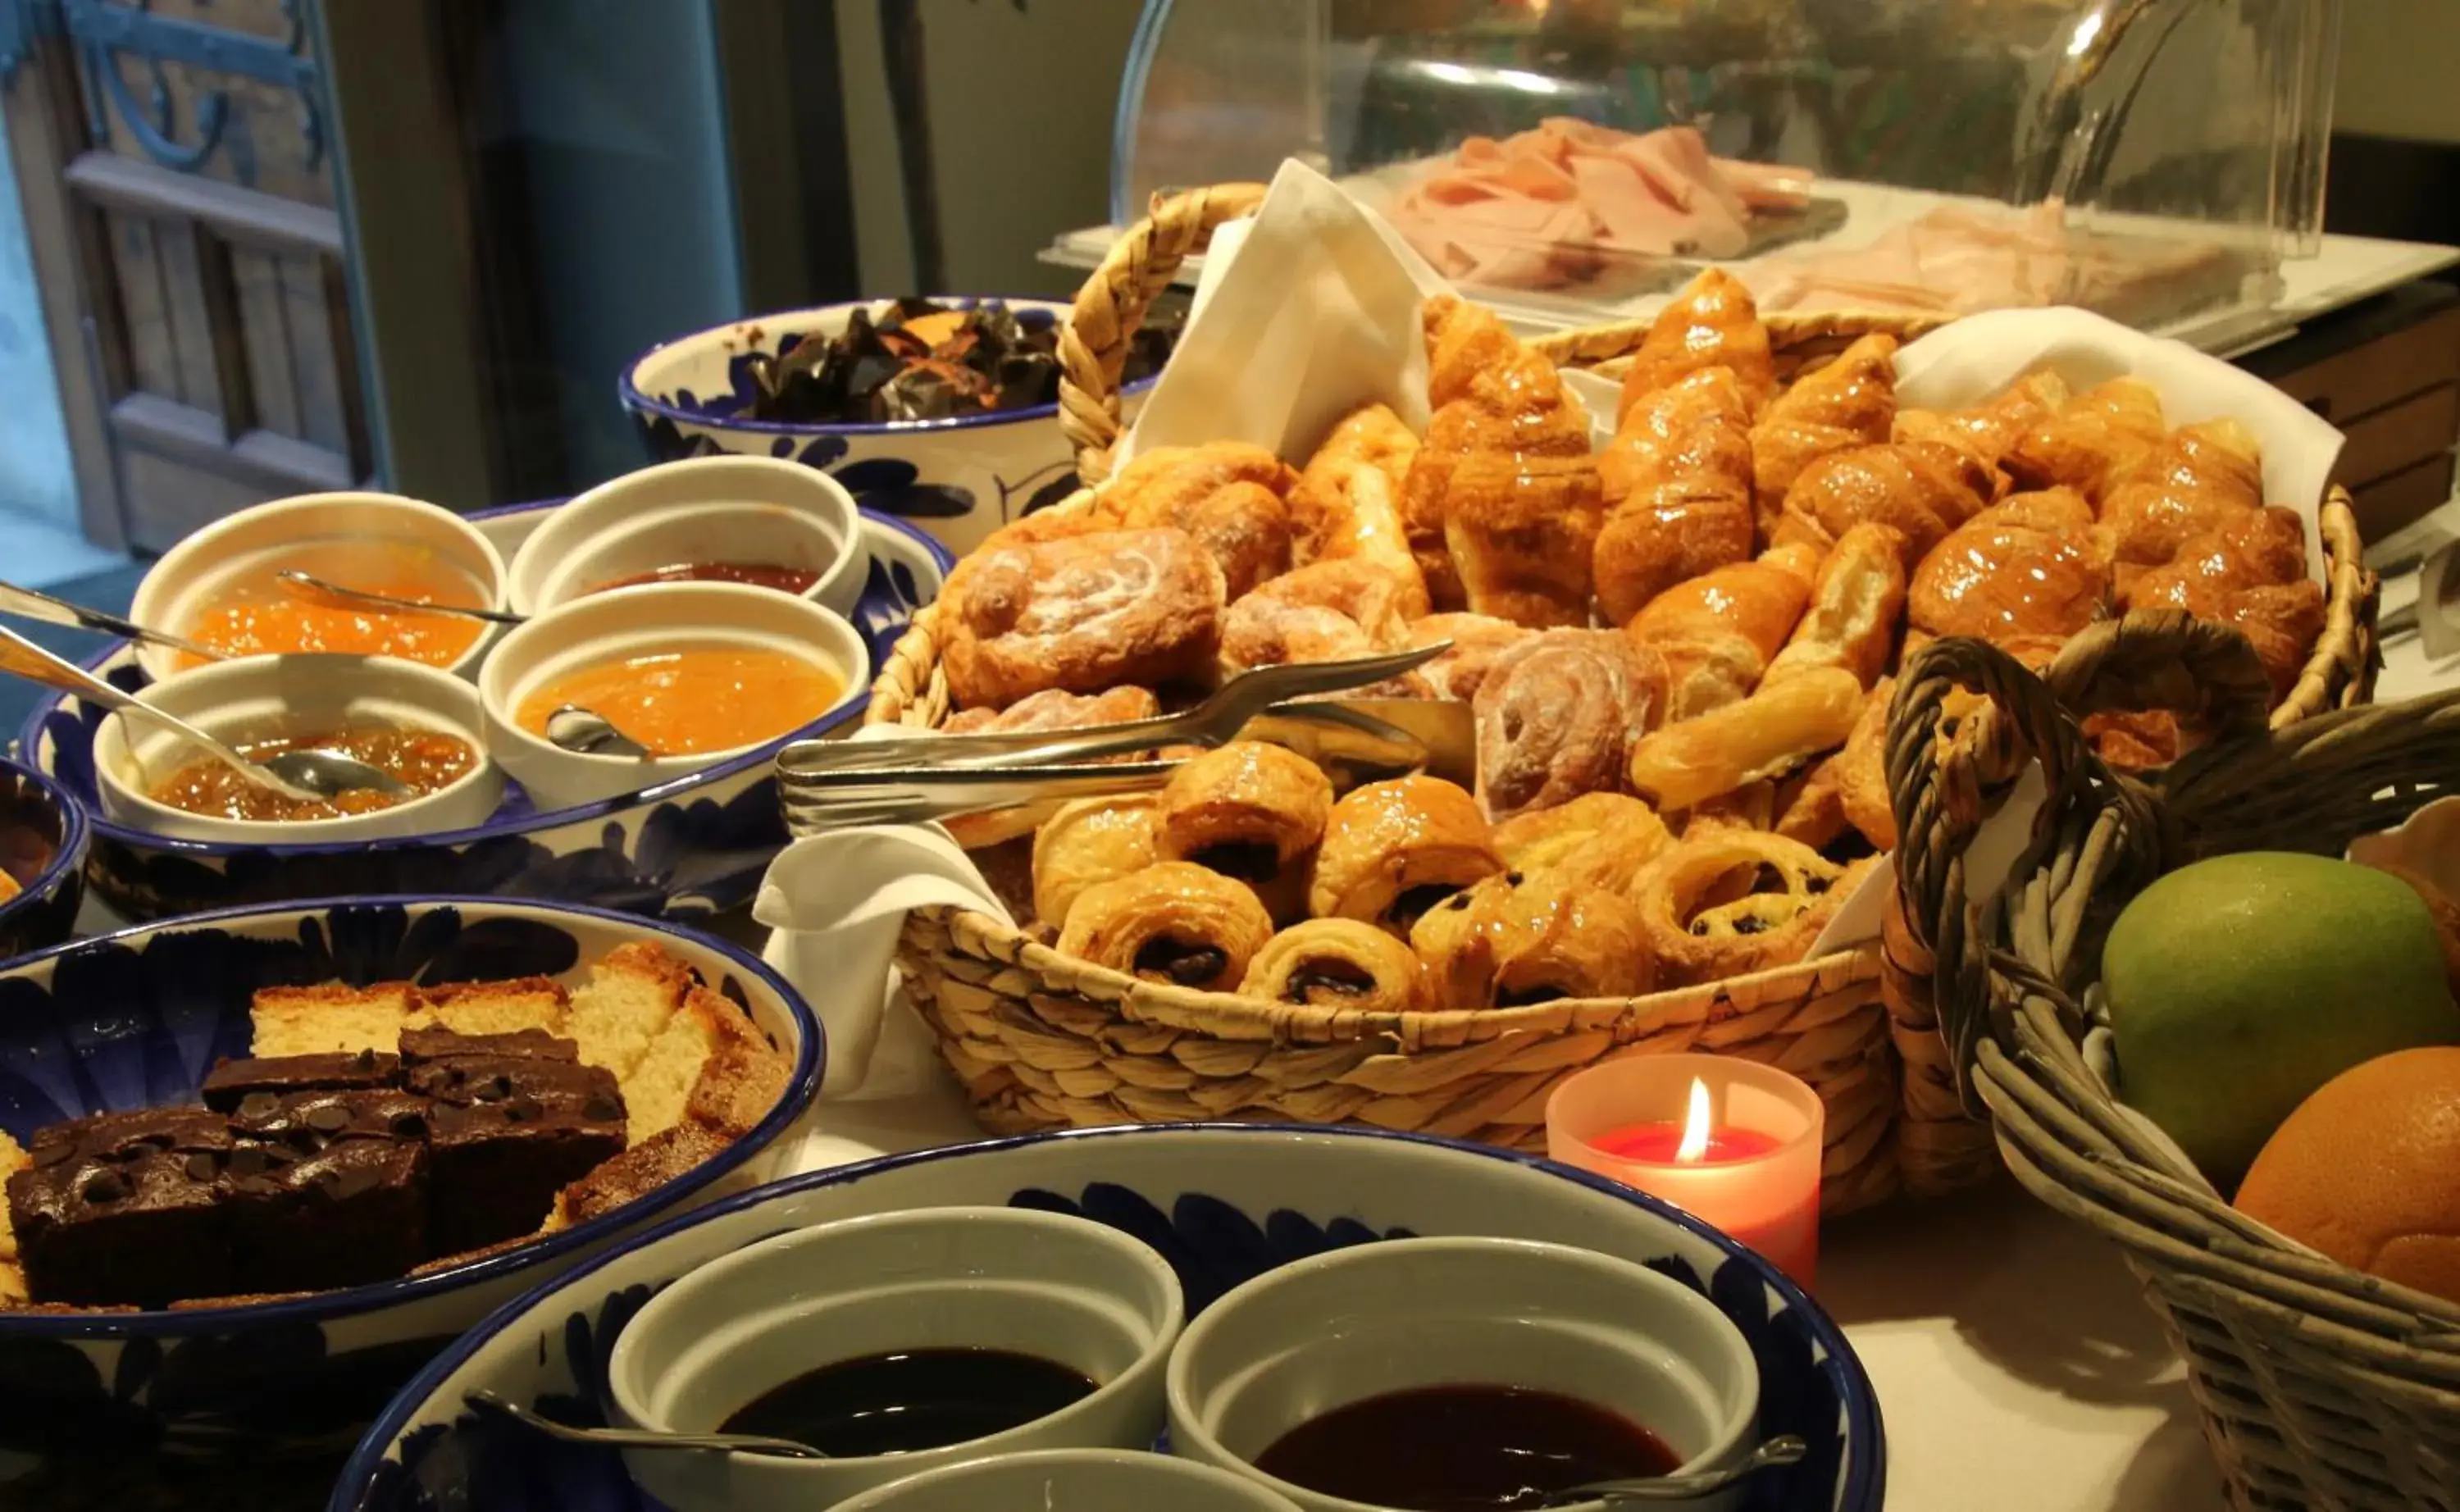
(1046, 1041)
(2318, 1387)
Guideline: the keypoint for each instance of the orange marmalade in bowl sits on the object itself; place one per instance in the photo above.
(255, 613)
(423, 761)
(692, 702)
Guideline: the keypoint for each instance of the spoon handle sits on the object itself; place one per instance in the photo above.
(49, 610)
(296, 579)
(20, 657)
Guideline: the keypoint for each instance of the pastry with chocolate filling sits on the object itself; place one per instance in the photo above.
(1731, 902)
(1336, 963)
(1518, 939)
(1393, 850)
(1604, 839)
(1172, 922)
(1253, 812)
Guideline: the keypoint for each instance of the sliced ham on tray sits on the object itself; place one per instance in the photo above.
(1551, 206)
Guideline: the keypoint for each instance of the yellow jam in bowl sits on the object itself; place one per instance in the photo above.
(423, 761)
(692, 702)
(257, 615)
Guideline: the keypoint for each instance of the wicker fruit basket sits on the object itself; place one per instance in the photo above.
(1044, 1041)
(2319, 1387)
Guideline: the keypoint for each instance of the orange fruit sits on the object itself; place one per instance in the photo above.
(2368, 1170)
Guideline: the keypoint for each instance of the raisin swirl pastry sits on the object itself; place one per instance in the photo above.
(1733, 902)
(1516, 939)
(1172, 922)
(1392, 850)
(1337, 963)
(1253, 812)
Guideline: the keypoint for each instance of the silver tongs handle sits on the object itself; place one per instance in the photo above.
(1215, 721)
(818, 801)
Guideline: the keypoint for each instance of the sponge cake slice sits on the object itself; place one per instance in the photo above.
(492, 1008)
(329, 1019)
(631, 995)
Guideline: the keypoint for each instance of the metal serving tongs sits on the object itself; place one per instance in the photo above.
(828, 784)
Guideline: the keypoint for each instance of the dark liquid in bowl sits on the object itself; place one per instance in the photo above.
(759, 574)
(1464, 1449)
(897, 1404)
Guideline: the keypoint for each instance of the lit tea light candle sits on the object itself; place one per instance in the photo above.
(1733, 1142)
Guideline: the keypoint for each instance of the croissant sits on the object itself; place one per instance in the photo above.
(2250, 572)
(1923, 489)
(1347, 505)
(1463, 340)
(2191, 484)
(1851, 403)
(2027, 566)
(1719, 630)
(1228, 494)
(1506, 469)
(1985, 432)
(2093, 439)
(1711, 324)
(1677, 486)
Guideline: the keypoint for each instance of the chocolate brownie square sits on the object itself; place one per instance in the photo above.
(327, 1187)
(507, 1133)
(119, 1208)
(231, 1080)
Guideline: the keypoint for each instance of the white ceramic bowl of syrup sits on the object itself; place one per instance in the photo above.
(688, 631)
(1072, 1480)
(731, 1345)
(207, 586)
(743, 519)
(254, 698)
(1365, 1367)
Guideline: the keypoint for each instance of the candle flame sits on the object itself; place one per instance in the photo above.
(1695, 1125)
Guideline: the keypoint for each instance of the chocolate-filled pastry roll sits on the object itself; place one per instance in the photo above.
(1250, 811)
(1732, 903)
(1336, 963)
(1460, 939)
(1172, 922)
(1092, 841)
(1392, 850)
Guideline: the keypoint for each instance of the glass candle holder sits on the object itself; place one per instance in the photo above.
(1734, 1143)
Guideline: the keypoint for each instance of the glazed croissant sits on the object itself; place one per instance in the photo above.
(2093, 439)
(1507, 471)
(1348, 503)
(1851, 403)
(1463, 340)
(2249, 571)
(2032, 565)
(1719, 630)
(1923, 489)
(1986, 432)
(2193, 482)
(1677, 485)
(1711, 324)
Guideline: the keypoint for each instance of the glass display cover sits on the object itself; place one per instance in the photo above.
(2154, 160)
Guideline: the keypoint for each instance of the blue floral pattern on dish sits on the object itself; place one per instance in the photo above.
(136, 1019)
(693, 849)
(455, 1458)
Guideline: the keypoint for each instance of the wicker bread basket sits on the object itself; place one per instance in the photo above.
(1044, 1041)
(2318, 1387)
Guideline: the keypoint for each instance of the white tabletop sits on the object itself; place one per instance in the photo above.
(2017, 1367)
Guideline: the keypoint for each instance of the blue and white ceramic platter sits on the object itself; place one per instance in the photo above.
(691, 848)
(43, 839)
(135, 1018)
(959, 479)
(1221, 1202)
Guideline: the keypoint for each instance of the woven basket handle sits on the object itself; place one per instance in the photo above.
(1945, 756)
(1093, 348)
